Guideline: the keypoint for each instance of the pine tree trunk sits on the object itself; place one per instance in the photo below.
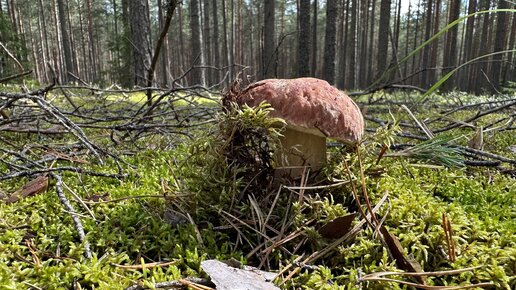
(314, 39)
(65, 37)
(468, 45)
(215, 40)
(269, 44)
(330, 42)
(425, 57)
(351, 72)
(510, 72)
(499, 45)
(304, 39)
(207, 41)
(450, 51)
(140, 41)
(198, 77)
(383, 36)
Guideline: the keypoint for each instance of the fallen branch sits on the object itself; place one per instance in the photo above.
(77, 222)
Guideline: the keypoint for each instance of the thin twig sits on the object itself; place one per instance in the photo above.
(77, 222)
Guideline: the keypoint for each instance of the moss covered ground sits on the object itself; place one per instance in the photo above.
(130, 224)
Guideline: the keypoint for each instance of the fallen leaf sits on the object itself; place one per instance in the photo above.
(397, 252)
(337, 227)
(33, 187)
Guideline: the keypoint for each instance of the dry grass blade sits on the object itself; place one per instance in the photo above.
(145, 266)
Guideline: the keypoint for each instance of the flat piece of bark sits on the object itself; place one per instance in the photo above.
(229, 278)
(33, 187)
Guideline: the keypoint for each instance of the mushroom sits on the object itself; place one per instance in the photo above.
(313, 111)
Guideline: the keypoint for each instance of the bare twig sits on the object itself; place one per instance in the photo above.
(77, 222)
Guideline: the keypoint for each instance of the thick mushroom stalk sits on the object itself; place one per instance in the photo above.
(313, 111)
(301, 149)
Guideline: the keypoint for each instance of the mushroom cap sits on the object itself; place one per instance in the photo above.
(309, 105)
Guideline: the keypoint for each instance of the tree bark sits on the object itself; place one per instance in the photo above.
(314, 39)
(215, 40)
(304, 39)
(450, 51)
(198, 77)
(330, 42)
(65, 37)
(425, 57)
(499, 45)
(468, 44)
(351, 72)
(383, 36)
(269, 43)
(140, 42)
(207, 40)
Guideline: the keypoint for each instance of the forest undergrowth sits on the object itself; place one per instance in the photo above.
(172, 196)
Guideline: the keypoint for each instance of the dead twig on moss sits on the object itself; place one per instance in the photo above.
(77, 222)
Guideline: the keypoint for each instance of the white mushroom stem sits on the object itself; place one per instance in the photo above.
(301, 149)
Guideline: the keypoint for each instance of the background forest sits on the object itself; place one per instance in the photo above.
(349, 43)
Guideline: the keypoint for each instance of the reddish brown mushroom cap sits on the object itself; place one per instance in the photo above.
(309, 105)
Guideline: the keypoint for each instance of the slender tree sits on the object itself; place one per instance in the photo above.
(314, 38)
(450, 51)
(140, 42)
(304, 39)
(269, 43)
(330, 41)
(499, 44)
(425, 58)
(383, 36)
(468, 44)
(215, 35)
(198, 77)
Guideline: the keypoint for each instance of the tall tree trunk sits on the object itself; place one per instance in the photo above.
(351, 71)
(383, 36)
(481, 82)
(140, 42)
(468, 45)
(435, 44)
(499, 44)
(362, 67)
(65, 37)
(46, 47)
(510, 71)
(207, 40)
(215, 40)
(330, 42)
(314, 39)
(415, 65)
(425, 57)
(370, 63)
(164, 50)
(304, 39)
(225, 28)
(198, 77)
(269, 43)
(93, 55)
(343, 51)
(450, 51)
(407, 38)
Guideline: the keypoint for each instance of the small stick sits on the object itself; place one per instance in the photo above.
(76, 220)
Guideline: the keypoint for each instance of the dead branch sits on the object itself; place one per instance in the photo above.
(77, 222)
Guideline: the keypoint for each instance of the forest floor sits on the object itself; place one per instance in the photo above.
(102, 191)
